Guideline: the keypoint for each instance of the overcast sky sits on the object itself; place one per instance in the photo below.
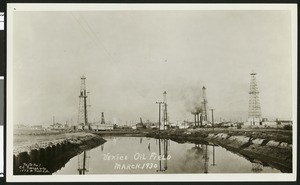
(131, 57)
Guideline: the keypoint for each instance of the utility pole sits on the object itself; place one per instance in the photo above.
(159, 107)
(204, 104)
(212, 119)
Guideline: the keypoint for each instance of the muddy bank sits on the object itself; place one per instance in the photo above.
(49, 156)
(271, 149)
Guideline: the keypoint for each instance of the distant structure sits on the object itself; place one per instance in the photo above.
(140, 125)
(82, 112)
(102, 118)
(165, 116)
(254, 114)
(204, 113)
(101, 124)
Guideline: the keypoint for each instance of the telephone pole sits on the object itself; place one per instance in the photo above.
(212, 119)
(159, 110)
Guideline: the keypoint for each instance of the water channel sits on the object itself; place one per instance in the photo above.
(141, 155)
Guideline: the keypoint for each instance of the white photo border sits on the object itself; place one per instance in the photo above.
(234, 177)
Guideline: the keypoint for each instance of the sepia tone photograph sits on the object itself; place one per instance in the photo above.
(153, 90)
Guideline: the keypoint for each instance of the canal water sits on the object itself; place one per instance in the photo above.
(141, 155)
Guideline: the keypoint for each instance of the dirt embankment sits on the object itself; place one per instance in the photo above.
(47, 153)
(27, 142)
(271, 147)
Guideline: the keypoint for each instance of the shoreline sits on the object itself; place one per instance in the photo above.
(265, 146)
(275, 151)
(272, 147)
(46, 157)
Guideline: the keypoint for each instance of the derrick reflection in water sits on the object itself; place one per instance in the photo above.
(83, 163)
(205, 158)
(197, 159)
(183, 158)
(163, 146)
(214, 158)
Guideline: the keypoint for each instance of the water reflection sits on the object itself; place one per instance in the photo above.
(163, 152)
(83, 163)
(214, 157)
(197, 159)
(43, 161)
(185, 158)
(205, 158)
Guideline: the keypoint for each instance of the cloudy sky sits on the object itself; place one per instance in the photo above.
(131, 57)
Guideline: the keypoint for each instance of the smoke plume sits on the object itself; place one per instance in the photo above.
(193, 99)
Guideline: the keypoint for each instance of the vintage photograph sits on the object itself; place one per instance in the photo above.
(153, 90)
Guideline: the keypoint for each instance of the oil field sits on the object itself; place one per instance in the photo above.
(151, 92)
(266, 145)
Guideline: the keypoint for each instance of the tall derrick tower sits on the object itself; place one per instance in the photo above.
(82, 112)
(165, 116)
(204, 102)
(254, 114)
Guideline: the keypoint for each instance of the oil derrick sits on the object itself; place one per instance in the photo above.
(254, 114)
(82, 113)
(165, 115)
(102, 118)
(141, 121)
(83, 163)
(204, 102)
